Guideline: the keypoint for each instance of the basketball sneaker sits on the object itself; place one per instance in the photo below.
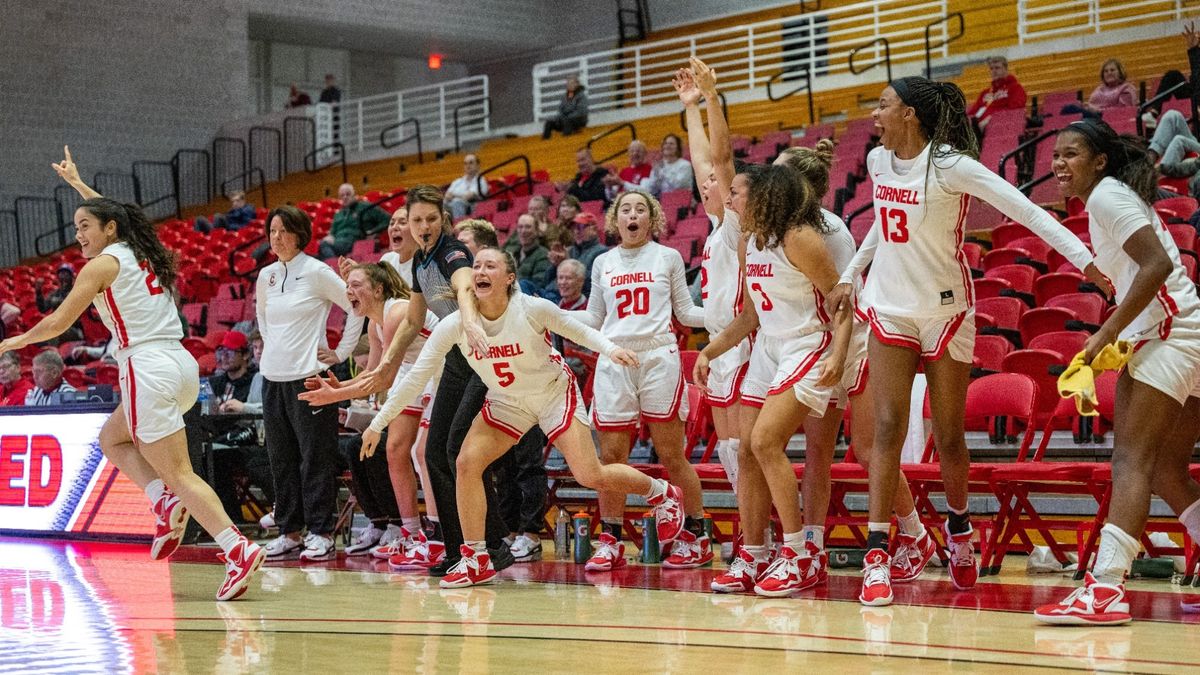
(473, 569)
(877, 579)
(791, 572)
(962, 558)
(365, 541)
(242, 562)
(610, 555)
(689, 551)
(267, 521)
(1093, 604)
(668, 514)
(390, 543)
(912, 554)
(283, 547)
(744, 571)
(170, 521)
(525, 549)
(1190, 604)
(318, 547)
(410, 552)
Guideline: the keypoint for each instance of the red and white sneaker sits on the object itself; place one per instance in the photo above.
(744, 571)
(391, 543)
(610, 555)
(668, 514)
(963, 572)
(912, 554)
(417, 552)
(1093, 604)
(241, 564)
(791, 572)
(877, 579)
(1190, 604)
(474, 569)
(689, 551)
(170, 521)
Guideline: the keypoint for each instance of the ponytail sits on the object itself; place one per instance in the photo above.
(136, 230)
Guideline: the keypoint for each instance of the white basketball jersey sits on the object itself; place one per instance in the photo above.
(636, 285)
(414, 349)
(515, 366)
(721, 275)
(134, 307)
(788, 304)
(919, 269)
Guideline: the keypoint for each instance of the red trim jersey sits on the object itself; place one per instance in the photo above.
(920, 215)
(787, 302)
(636, 290)
(414, 349)
(135, 308)
(1115, 212)
(722, 278)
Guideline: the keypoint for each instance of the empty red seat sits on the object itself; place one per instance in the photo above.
(1043, 320)
(990, 288)
(1087, 307)
(1048, 286)
(990, 351)
(1067, 343)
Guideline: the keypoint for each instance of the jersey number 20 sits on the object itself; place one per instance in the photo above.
(151, 279)
(898, 232)
(633, 301)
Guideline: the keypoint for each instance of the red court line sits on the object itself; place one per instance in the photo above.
(686, 629)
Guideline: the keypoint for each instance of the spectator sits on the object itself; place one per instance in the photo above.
(13, 387)
(671, 171)
(299, 98)
(526, 247)
(238, 452)
(466, 189)
(331, 93)
(570, 279)
(10, 317)
(587, 242)
(539, 208)
(356, 219)
(66, 281)
(1112, 92)
(568, 208)
(572, 111)
(476, 234)
(239, 215)
(1005, 93)
(48, 369)
(1173, 141)
(588, 184)
(236, 370)
(252, 403)
(1167, 129)
(631, 177)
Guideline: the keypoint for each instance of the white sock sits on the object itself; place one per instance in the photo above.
(794, 540)
(759, 553)
(477, 546)
(155, 489)
(911, 524)
(413, 525)
(1191, 521)
(879, 527)
(228, 538)
(815, 534)
(658, 487)
(1115, 555)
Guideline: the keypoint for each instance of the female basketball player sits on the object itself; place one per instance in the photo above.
(636, 287)
(919, 298)
(1159, 313)
(130, 279)
(527, 384)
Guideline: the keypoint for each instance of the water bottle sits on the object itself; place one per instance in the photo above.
(651, 550)
(205, 397)
(583, 537)
(708, 525)
(562, 535)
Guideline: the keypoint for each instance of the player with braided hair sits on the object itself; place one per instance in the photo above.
(919, 299)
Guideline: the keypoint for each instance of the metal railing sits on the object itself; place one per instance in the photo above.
(486, 115)
(10, 238)
(311, 159)
(158, 194)
(361, 120)
(299, 138)
(250, 173)
(746, 56)
(804, 72)
(1163, 96)
(36, 216)
(122, 187)
(1043, 19)
(193, 175)
(414, 136)
(947, 38)
(609, 132)
(229, 158)
(260, 136)
(1024, 156)
(885, 60)
(528, 180)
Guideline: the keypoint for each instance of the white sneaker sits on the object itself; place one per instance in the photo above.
(391, 543)
(282, 547)
(318, 547)
(267, 521)
(526, 549)
(368, 537)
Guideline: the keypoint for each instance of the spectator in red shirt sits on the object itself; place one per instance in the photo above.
(12, 386)
(631, 177)
(1005, 93)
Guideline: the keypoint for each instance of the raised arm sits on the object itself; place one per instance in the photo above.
(67, 170)
(95, 276)
(720, 147)
(690, 96)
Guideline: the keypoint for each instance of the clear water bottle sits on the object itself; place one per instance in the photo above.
(206, 397)
(562, 535)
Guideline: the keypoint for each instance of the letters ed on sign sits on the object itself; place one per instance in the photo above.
(31, 469)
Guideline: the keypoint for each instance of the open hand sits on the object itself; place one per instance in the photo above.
(322, 395)
(1191, 35)
(706, 79)
(685, 86)
(345, 264)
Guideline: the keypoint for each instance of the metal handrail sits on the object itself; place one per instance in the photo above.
(724, 111)
(962, 28)
(806, 87)
(225, 140)
(1027, 187)
(100, 175)
(1162, 96)
(528, 180)
(312, 134)
(1023, 147)
(266, 260)
(416, 135)
(173, 194)
(176, 161)
(816, 5)
(278, 148)
(466, 104)
(858, 212)
(609, 132)
(59, 233)
(11, 256)
(310, 160)
(262, 183)
(26, 227)
(886, 60)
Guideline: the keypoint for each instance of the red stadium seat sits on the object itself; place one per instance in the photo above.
(990, 351)
(990, 288)
(1087, 307)
(1067, 343)
(1048, 286)
(1044, 320)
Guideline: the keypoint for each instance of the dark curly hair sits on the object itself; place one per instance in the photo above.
(1128, 161)
(136, 230)
(780, 198)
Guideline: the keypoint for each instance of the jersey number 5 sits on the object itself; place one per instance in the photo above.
(633, 301)
(899, 221)
(503, 373)
(151, 279)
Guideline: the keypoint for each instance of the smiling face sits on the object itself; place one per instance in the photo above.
(425, 223)
(570, 282)
(492, 277)
(1076, 167)
(398, 233)
(284, 244)
(1111, 74)
(527, 230)
(637, 153)
(539, 208)
(633, 220)
(891, 116)
(738, 190)
(364, 297)
(670, 148)
(91, 234)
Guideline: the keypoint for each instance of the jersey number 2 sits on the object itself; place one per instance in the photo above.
(899, 221)
(633, 301)
(503, 373)
(151, 279)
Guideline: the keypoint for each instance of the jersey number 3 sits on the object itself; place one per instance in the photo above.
(897, 233)
(151, 279)
(633, 301)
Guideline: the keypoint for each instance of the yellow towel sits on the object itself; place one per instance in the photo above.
(1078, 381)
